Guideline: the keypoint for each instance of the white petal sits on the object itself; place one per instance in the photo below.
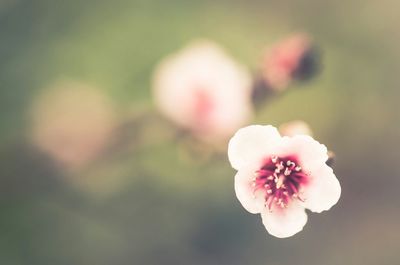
(310, 153)
(323, 191)
(251, 144)
(285, 222)
(252, 202)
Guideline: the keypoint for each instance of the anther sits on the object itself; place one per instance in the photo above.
(279, 183)
(279, 167)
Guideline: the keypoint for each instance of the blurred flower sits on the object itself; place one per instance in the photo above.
(296, 127)
(292, 58)
(279, 177)
(72, 122)
(202, 89)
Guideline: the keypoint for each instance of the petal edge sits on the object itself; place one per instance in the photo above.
(324, 190)
(286, 222)
(250, 144)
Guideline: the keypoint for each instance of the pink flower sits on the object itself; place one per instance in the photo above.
(288, 60)
(202, 89)
(279, 177)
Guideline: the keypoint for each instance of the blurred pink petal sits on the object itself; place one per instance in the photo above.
(72, 122)
(204, 90)
(296, 127)
(283, 60)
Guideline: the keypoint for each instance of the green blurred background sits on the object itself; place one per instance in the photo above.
(151, 201)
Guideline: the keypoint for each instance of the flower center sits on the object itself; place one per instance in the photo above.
(203, 107)
(281, 180)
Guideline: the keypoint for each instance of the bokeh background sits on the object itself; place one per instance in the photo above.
(151, 199)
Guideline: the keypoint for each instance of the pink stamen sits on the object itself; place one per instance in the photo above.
(281, 179)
